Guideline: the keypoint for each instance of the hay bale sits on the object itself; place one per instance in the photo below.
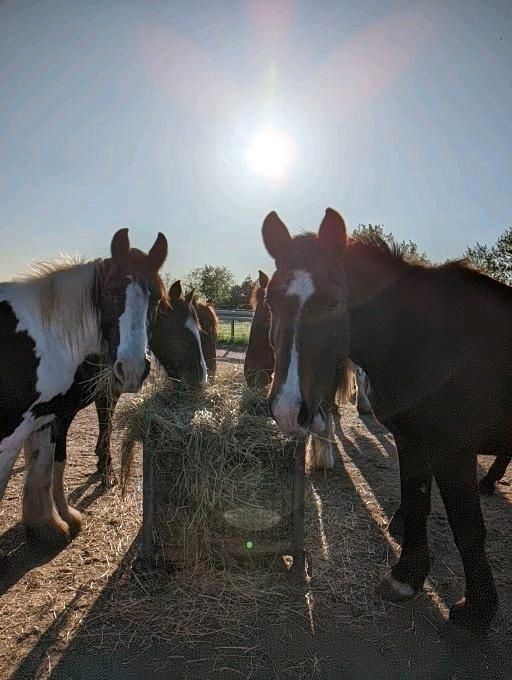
(222, 472)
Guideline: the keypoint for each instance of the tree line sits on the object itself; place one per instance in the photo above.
(217, 283)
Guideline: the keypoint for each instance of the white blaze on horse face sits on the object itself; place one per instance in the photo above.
(191, 324)
(130, 365)
(287, 404)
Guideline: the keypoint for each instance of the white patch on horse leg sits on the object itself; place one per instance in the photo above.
(7, 460)
(396, 590)
(130, 366)
(67, 513)
(40, 515)
(192, 327)
(287, 404)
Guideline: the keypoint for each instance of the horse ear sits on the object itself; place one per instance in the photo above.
(158, 252)
(189, 297)
(276, 236)
(175, 291)
(262, 279)
(120, 246)
(333, 233)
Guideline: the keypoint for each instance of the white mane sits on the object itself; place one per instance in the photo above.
(63, 296)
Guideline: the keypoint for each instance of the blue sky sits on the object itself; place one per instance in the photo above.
(139, 113)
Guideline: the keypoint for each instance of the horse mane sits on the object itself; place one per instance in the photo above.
(257, 295)
(67, 291)
(206, 312)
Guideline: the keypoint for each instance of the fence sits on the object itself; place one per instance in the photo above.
(234, 325)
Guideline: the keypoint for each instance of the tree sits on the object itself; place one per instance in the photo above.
(241, 292)
(408, 248)
(496, 260)
(212, 283)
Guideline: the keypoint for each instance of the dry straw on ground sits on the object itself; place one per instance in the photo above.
(223, 490)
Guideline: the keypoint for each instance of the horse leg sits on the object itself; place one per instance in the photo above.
(457, 481)
(70, 515)
(408, 575)
(42, 521)
(105, 406)
(320, 455)
(487, 485)
(396, 523)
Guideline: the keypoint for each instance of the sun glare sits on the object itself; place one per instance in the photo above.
(270, 153)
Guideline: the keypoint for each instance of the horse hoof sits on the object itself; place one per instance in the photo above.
(50, 534)
(74, 520)
(475, 618)
(486, 487)
(395, 591)
(396, 527)
(109, 479)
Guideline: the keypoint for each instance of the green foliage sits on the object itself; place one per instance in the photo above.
(212, 283)
(496, 260)
(409, 248)
(241, 292)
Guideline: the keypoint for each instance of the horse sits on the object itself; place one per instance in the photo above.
(209, 325)
(50, 322)
(174, 339)
(435, 342)
(259, 357)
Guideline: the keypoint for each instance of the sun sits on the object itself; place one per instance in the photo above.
(270, 153)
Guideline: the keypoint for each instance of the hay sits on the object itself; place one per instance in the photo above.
(222, 472)
(215, 454)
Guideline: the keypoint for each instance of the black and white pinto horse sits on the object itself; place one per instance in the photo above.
(49, 323)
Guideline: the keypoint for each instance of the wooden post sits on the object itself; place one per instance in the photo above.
(299, 485)
(232, 330)
(148, 504)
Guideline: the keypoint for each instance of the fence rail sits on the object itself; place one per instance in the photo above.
(233, 320)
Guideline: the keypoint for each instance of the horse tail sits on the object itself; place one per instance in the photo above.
(346, 391)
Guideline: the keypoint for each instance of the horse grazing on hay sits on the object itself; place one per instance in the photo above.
(259, 357)
(174, 339)
(209, 326)
(435, 342)
(49, 323)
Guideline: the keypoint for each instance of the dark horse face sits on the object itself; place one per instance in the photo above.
(309, 332)
(129, 293)
(259, 357)
(175, 339)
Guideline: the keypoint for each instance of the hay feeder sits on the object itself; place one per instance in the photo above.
(221, 484)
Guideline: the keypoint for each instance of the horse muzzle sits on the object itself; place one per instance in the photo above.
(130, 374)
(296, 418)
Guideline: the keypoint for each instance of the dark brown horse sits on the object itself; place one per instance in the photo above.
(435, 342)
(259, 357)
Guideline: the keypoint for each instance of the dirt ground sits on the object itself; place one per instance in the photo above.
(73, 615)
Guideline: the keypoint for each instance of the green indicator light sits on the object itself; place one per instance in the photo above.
(248, 545)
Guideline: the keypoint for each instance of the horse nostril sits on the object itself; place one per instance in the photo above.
(304, 417)
(118, 371)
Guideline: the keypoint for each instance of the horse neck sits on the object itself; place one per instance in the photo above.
(69, 309)
(373, 300)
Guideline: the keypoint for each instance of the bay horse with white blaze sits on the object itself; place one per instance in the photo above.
(435, 342)
(49, 323)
